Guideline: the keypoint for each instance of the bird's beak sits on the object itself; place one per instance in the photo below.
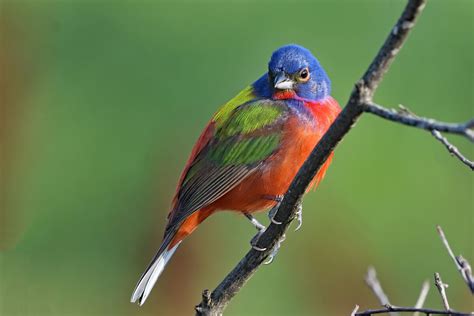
(282, 82)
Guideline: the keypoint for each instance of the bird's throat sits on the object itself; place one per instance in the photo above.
(284, 94)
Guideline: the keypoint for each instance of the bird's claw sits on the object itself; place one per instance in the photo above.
(299, 216)
(271, 216)
(254, 241)
(275, 249)
(272, 213)
(260, 227)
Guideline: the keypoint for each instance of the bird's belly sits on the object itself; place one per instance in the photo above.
(275, 175)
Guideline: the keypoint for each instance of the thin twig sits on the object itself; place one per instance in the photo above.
(462, 264)
(375, 286)
(373, 282)
(466, 272)
(453, 150)
(407, 117)
(425, 288)
(464, 129)
(442, 290)
(354, 311)
(399, 309)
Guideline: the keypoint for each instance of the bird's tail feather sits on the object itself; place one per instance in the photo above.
(151, 274)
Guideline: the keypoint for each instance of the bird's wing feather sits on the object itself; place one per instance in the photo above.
(243, 137)
(219, 118)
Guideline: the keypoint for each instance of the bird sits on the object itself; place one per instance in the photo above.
(250, 151)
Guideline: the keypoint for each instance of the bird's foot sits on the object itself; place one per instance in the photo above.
(260, 227)
(273, 211)
(254, 241)
(299, 216)
(275, 250)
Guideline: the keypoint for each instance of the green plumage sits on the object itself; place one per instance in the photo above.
(246, 137)
(242, 137)
(246, 151)
(250, 118)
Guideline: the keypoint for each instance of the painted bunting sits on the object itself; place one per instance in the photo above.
(248, 154)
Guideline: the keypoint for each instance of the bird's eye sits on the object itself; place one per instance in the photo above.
(303, 76)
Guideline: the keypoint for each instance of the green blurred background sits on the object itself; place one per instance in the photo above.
(103, 100)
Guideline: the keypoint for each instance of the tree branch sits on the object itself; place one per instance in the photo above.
(354, 311)
(374, 284)
(426, 311)
(453, 150)
(372, 281)
(408, 118)
(360, 101)
(361, 95)
(425, 288)
(442, 290)
(462, 264)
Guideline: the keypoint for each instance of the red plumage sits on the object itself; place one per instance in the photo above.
(251, 195)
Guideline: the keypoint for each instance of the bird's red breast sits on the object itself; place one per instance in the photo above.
(276, 173)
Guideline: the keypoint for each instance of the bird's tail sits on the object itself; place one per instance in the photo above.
(151, 274)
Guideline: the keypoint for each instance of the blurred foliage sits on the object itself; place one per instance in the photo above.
(103, 100)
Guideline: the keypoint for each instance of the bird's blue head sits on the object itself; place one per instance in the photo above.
(293, 69)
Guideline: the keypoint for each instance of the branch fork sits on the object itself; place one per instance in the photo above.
(360, 101)
(376, 287)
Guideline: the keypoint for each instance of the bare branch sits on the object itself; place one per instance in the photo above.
(399, 309)
(362, 94)
(354, 311)
(374, 284)
(425, 288)
(442, 290)
(408, 118)
(405, 116)
(452, 149)
(204, 307)
(466, 271)
(418, 309)
(462, 264)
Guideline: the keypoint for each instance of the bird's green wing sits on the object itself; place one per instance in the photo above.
(243, 138)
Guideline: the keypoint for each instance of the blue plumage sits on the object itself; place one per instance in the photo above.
(288, 61)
